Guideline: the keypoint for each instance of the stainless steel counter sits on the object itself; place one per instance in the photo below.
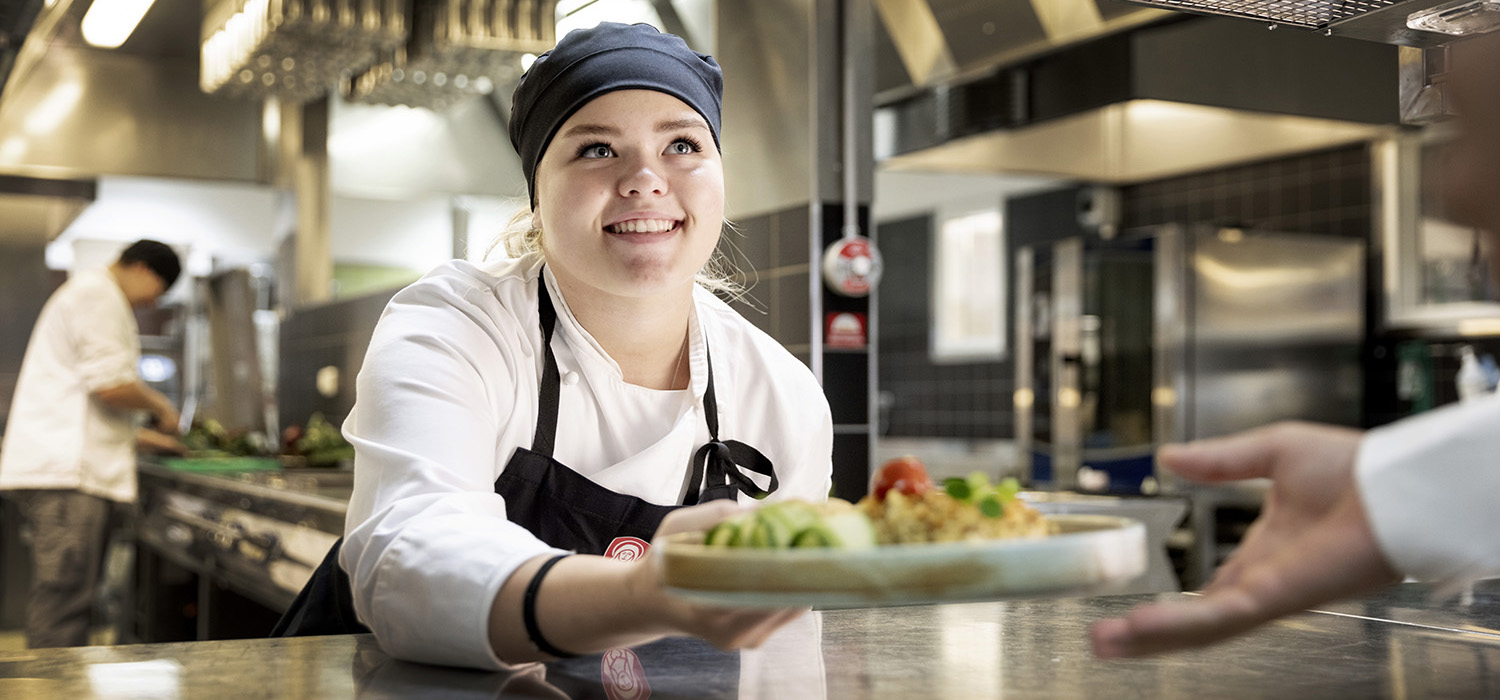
(229, 538)
(1394, 644)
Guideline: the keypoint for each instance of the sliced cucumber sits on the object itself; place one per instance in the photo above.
(849, 530)
(730, 533)
(812, 537)
(795, 524)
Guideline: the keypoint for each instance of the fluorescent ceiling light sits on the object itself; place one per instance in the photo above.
(108, 23)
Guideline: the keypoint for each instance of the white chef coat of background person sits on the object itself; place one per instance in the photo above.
(60, 435)
(597, 366)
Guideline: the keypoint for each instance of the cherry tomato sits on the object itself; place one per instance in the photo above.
(905, 474)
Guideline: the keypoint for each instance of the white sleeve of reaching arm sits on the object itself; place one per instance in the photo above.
(1431, 488)
(427, 544)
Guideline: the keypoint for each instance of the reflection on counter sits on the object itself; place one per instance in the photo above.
(1389, 644)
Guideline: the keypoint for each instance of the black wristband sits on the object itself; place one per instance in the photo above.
(528, 612)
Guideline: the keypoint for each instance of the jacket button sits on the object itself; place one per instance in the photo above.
(570, 378)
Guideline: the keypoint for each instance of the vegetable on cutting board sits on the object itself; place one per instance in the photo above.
(796, 524)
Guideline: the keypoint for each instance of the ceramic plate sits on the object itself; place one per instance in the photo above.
(1090, 554)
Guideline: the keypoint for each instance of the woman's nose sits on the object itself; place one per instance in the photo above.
(643, 179)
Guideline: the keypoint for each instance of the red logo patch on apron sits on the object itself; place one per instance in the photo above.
(627, 548)
(621, 672)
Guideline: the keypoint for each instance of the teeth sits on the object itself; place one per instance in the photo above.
(643, 226)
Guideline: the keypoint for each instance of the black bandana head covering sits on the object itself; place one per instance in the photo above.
(588, 63)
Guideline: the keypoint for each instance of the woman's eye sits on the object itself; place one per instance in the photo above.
(682, 147)
(597, 150)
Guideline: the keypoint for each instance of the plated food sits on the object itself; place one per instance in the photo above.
(904, 507)
(910, 541)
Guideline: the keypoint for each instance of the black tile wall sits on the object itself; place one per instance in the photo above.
(775, 248)
(334, 334)
(793, 303)
(971, 400)
(749, 242)
(779, 245)
(1328, 192)
(791, 233)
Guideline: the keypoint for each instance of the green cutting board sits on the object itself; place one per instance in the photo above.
(221, 464)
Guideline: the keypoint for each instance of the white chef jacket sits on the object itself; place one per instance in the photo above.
(58, 436)
(448, 392)
(1430, 485)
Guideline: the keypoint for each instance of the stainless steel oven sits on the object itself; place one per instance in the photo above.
(1174, 333)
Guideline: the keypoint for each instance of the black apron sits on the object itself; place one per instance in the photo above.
(560, 506)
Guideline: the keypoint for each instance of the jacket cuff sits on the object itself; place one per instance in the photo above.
(1429, 486)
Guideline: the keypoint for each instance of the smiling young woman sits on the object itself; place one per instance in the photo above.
(580, 398)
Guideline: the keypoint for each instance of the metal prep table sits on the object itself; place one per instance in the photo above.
(222, 554)
(1391, 644)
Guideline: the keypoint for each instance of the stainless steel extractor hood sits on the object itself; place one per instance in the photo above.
(1423, 29)
(16, 19)
(1417, 23)
(1149, 103)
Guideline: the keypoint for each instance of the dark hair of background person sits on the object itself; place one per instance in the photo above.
(158, 257)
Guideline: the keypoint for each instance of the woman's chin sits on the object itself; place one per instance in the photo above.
(649, 277)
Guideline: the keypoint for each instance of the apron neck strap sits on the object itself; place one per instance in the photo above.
(722, 462)
(546, 420)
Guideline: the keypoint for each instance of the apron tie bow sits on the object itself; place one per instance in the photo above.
(725, 463)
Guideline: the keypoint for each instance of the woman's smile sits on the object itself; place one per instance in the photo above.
(644, 229)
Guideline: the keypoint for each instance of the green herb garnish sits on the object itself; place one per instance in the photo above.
(977, 489)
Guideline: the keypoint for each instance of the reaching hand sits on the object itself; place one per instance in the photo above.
(1311, 544)
(167, 419)
(148, 440)
(725, 628)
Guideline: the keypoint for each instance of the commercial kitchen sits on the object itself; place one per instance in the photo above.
(1033, 239)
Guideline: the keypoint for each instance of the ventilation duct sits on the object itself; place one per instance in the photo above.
(36, 210)
(16, 19)
(1423, 29)
(1185, 95)
(1417, 23)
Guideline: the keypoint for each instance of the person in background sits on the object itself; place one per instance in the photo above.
(1351, 511)
(574, 399)
(68, 451)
